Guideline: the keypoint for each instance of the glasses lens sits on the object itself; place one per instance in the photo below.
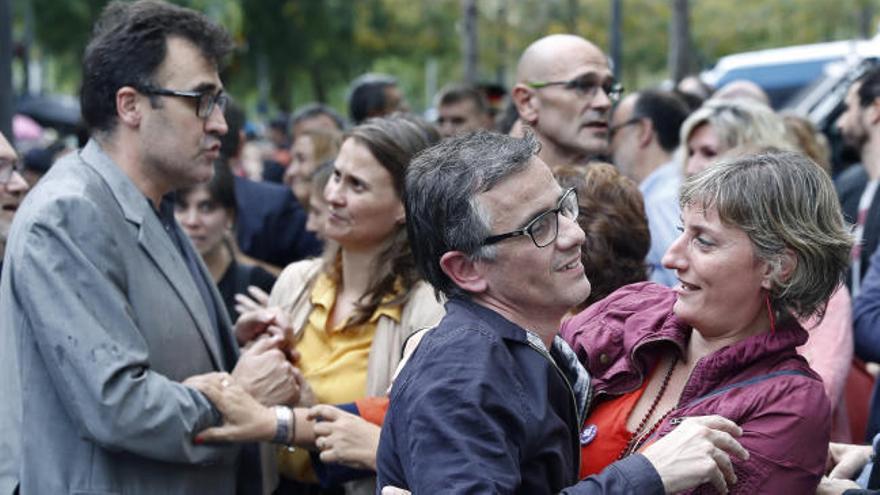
(568, 206)
(543, 229)
(588, 86)
(614, 91)
(208, 101)
(222, 101)
(584, 86)
(206, 105)
(6, 169)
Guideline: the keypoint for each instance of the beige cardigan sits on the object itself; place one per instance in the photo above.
(291, 292)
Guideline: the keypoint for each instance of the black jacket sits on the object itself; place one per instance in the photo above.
(271, 224)
(850, 185)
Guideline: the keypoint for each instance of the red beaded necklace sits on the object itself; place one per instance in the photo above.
(641, 434)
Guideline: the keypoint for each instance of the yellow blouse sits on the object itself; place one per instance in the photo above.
(333, 360)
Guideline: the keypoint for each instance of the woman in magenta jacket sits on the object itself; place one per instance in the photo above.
(763, 243)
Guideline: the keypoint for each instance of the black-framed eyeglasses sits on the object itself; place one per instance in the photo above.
(613, 129)
(586, 85)
(8, 166)
(544, 228)
(205, 100)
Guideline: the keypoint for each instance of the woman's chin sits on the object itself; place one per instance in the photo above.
(684, 311)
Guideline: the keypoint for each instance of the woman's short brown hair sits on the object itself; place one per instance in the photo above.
(782, 201)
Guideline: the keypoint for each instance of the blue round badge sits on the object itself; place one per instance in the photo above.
(589, 434)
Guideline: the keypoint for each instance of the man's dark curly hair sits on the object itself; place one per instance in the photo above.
(129, 44)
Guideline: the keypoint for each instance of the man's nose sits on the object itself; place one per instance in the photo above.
(601, 99)
(16, 183)
(216, 122)
(570, 233)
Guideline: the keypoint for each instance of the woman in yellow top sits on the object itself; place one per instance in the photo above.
(351, 310)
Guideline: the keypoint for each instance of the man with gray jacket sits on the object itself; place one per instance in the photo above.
(105, 308)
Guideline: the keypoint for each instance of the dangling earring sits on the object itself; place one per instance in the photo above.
(770, 312)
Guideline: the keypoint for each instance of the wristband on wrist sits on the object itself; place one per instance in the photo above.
(284, 425)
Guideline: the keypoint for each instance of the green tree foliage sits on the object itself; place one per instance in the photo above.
(302, 50)
(62, 29)
(329, 43)
(718, 28)
(721, 28)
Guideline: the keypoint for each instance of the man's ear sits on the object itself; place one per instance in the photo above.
(463, 271)
(784, 268)
(128, 108)
(526, 103)
(400, 214)
(646, 132)
(874, 111)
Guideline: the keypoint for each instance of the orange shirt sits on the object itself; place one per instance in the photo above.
(605, 435)
(373, 409)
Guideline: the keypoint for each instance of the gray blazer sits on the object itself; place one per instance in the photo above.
(99, 322)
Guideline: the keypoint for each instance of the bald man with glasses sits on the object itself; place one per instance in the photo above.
(565, 90)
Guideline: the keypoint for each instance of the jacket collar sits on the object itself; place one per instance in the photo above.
(489, 318)
(559, 353)
(778, 345)
(134, 204)
(713, 369)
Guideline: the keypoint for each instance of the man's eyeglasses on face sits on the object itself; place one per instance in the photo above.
(8, 166)
(586, 85)
(205, 100)
(544, 228)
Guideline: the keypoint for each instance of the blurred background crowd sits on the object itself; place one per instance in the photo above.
(692, 82)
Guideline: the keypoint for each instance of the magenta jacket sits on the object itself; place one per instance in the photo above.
(760, 383)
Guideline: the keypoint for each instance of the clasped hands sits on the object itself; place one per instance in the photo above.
(264, 376)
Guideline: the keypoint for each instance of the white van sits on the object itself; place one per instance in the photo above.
(783, 72)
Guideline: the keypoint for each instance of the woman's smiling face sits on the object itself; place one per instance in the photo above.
(721, 280)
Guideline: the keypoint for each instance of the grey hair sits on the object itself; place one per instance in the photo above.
(443, 210)
(738, 123)
(782, 201)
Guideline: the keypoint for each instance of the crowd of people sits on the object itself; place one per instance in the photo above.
(587, 292)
